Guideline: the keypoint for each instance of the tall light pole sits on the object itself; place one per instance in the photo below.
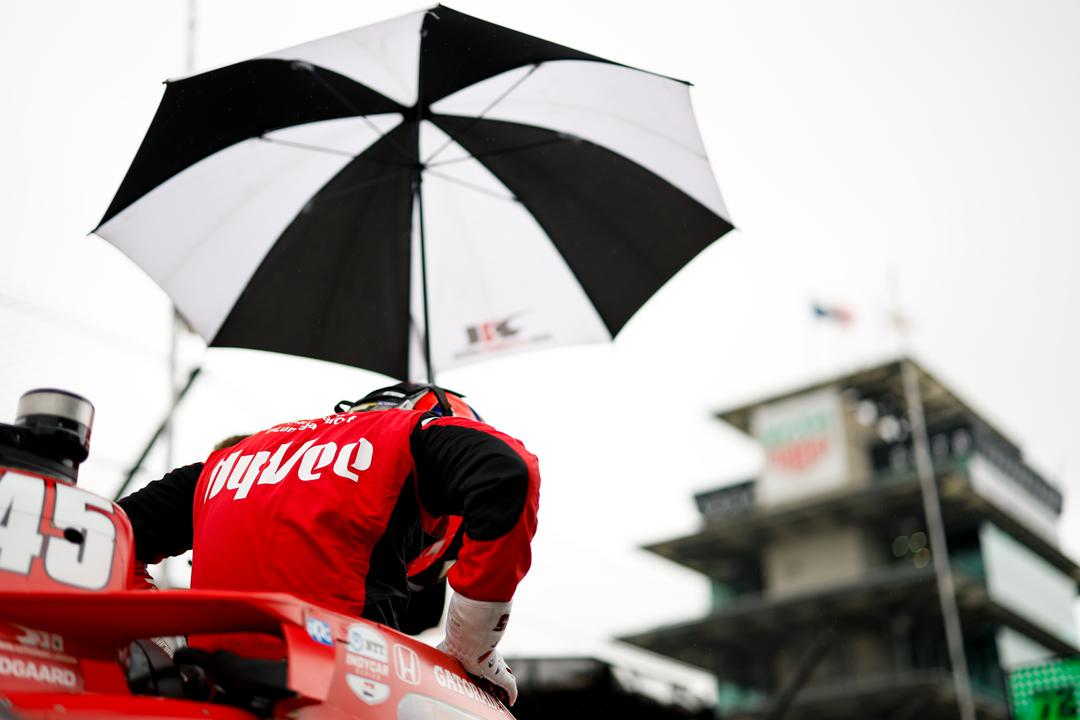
(939, 551)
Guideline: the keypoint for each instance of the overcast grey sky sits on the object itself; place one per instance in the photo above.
(934, 142)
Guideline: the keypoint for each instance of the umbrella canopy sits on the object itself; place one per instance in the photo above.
(421, 193)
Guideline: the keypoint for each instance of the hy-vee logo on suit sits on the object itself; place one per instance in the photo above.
(240, 472)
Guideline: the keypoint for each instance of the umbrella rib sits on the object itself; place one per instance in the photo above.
(352, 107)
(503, 151)
(453, 138)
(477, 188)
(306, 146)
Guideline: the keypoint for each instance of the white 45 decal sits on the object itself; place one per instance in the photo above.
(81, 556)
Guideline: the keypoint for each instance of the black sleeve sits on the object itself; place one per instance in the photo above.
(424, 610)
(160, 514)
(469, 472)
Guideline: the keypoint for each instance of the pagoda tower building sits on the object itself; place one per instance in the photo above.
(825, 600)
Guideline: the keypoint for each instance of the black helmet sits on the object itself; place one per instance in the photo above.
(412, 396)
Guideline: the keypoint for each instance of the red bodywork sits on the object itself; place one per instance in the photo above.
(68, 616)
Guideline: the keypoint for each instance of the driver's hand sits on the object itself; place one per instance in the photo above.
(473, 629)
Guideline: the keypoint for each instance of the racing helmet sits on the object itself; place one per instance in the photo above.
(412, 396)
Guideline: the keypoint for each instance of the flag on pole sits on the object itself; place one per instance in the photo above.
(836, 313)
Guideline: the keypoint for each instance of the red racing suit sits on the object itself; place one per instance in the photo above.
(332, 509)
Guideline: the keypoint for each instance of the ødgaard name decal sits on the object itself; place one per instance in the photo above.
(240, 472)
(38, 671)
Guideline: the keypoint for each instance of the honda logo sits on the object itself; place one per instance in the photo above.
(406, 665)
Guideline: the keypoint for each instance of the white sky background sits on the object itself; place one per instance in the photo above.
(935, 142)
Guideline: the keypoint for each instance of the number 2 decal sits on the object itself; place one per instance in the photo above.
(81, 554)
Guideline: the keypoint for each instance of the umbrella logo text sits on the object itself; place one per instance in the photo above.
(498, 335)
(491, 331)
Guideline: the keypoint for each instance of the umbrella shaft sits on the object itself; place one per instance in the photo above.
(418, 193)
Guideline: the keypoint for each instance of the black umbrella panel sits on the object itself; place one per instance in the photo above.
(417, 194)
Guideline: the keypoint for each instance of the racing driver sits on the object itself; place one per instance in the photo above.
(332, 509)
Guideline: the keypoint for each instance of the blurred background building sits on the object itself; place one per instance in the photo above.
(824, 598)
(582, 687)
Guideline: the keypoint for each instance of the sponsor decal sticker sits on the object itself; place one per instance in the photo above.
(498, 334)
(368, 642)
(319, 631)
(366, 666)
(368, 652)
(492, 331)
(367, 690)
(38, 671)
(244, 473)
(20, 641)
(406, 665)
(28, 637)
(457, 684)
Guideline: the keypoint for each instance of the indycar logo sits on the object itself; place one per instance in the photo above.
(368, 652)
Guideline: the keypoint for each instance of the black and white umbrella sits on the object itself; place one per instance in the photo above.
(417, 194)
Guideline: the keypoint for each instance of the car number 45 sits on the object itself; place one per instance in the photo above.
(79, 554)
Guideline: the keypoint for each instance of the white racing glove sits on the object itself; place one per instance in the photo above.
(473, 629)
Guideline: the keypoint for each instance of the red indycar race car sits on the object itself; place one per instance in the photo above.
(77, 634)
